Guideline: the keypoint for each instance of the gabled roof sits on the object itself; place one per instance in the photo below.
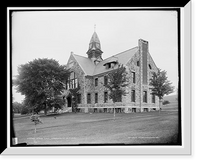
(122, 58)
(91, 69)
(85, 63)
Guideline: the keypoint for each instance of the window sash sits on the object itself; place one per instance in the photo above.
(72, 81)
(79, 98)
(133, 75)
(133, 95)
(138, 63)
(145, 96)
(75, 83)
(89, 98)
(105, 80)
(153, 98)
(96, 81)
(96, 97)
(105, 97)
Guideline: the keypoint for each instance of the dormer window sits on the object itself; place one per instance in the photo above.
(111, 63)
(108, 65)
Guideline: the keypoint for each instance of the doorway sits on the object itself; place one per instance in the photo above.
(69, 101)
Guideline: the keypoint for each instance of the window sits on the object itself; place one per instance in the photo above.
(153, 77)
(75, 83)
(105, 80)
(96, 97)
(133, 95)
(89, 98)
(119, 98)
(108, 65)
(96, 82)
(145, 96)
(79, 98)
(72, 81)
(153, 98)
(105, 97)
(138, 63)
(67, 84)
(150, 66)
(133, 75)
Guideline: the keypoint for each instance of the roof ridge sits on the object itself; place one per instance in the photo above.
(118, 56)
(121, 52)
(79, 55)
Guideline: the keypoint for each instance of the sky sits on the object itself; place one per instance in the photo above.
(55, 34)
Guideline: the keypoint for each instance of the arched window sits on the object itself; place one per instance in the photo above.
(72, 81)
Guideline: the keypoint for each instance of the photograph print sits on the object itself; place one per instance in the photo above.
(95, 77)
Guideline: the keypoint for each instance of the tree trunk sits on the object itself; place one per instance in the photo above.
(114, 110)
(160, 104)
(45, 110)
(35, 127)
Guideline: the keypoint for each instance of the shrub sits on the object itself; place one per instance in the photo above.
(166, 102)
(24, 110)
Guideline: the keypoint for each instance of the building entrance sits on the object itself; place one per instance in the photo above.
(69, 101)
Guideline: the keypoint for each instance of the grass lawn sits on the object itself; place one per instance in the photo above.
(100, 128)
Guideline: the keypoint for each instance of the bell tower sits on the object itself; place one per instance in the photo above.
(94, 52)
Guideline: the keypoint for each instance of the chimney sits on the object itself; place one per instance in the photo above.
(143, 50)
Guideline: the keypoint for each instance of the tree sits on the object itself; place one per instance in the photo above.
(74, 94)
(36, 119)
(116, 84)
(25, 110)
(41, 81)
(161, 85)
(17, 107)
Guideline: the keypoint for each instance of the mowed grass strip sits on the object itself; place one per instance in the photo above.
(100, 128)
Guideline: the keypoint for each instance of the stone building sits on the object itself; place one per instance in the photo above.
(89, 72)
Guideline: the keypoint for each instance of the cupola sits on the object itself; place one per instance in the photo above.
(94, 52)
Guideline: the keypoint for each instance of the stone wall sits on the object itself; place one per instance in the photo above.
(80, 76)
(138, 86)
(132, 67)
